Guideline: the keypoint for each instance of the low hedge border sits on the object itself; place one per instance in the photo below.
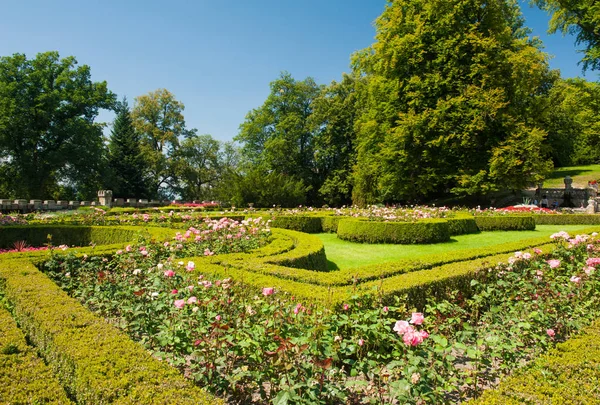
(567, 374)
(96, 363)
(300, 223)
(24, 378)
(567, 219)
(506, 223)
(462, 225)
(424, 231)
(330, 223)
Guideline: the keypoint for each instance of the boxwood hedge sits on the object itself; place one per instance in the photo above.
(506, 223)
(425, 231)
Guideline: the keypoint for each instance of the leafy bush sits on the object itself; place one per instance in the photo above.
(505, 223)
(462, 225)
(567, 219)
(300, 223)
(424, 231)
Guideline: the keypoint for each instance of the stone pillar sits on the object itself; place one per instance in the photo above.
(85, 203)
(50, 204)
(591, 207)
(118, 202)
(62, 204)
(132, 202)
(37, 204)
(142, 202)
(105, 197)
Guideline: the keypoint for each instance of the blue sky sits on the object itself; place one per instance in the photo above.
(216, 57)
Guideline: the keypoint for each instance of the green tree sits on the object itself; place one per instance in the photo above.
(158, 118)
(571, 116)
(278, 137)
(200, 164)
(450, 89)
(48, 138)
(333, 117)
(580, 18)
(125, 161)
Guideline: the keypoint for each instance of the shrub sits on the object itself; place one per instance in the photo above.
(462, 225)
(24, 378)
(507, 223)
(330, 223)
(425, 231)
(567, 219)
(300, 223)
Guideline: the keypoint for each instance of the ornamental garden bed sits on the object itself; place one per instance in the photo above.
(247, 327)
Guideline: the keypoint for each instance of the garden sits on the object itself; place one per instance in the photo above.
(409, 305)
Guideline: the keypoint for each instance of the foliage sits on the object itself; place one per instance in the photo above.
(263, 344)
(48, 139)
(505, 223)
(580, 18)
(158, 118)
(307, 224)
(425, 231)
(125, 161)
(449, 89)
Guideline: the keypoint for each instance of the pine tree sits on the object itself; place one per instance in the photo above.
(126, 163)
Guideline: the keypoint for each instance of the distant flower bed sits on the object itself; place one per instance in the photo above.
(12, 220)
(514, 210)
(196, 205)
(262, 346)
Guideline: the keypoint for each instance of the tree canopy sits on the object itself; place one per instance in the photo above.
(450, 87)
(48, 139)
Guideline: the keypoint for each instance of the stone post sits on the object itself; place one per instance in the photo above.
(37, 204)
(105, 197)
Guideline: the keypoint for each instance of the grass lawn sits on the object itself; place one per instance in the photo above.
(344, 255)
(580, 175)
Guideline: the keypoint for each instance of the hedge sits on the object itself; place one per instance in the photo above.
(462, 225)
(506, 223)
(567, 219)
(567, 374)
(96, 363)
(425, 231)
(37, 235)
(330, 223)
(307, 224)
(24, 378)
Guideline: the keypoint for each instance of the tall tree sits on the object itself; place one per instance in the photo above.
(158, 118)
(199, 167)
(278, 136)
(450, 86)
(580, 18)
(125, 161)
(333, 117)
(48, 137)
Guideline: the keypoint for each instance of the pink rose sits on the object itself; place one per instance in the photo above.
(412, 338)
(537, 251)
(218, 317)
(575, 279)
(346, 306)
(190, 266)
(402, 327)
(554, 263)
(179, 303)
(268, 291)
(174, 292)
(192, 300)
(550, 332)
(417, 318)
(424, 334)
(169, 273)
(361, 342)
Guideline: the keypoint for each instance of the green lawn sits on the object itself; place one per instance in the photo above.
(344, 255)
(580, 175)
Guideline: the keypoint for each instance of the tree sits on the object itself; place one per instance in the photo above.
(199, 166)
(449, 91)
(580, 18)
(333, 117)
(125, 161)
(277, 137)
(48, 138)
(158, 118)
(571, 116)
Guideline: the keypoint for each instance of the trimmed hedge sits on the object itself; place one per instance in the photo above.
(567, 374)
(306, 224)
(462, 225)
(24, 378)
(96, 363)
(425, 231)
(36, 235)
(567, 219)
(506, 223)
(330, 223)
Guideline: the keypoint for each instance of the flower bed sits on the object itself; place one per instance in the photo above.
(265, 345)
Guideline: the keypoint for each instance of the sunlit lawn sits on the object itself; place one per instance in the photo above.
(580, 175)
(342, 254)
